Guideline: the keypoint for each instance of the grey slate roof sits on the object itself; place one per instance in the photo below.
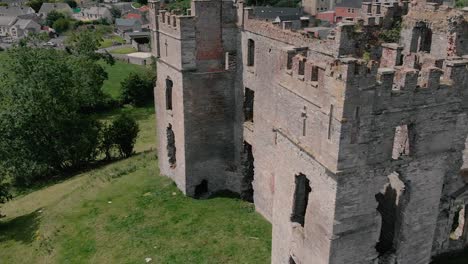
(46, 8)
(25, 23)
(15, 10)
(263, 12)
(125, 22)
(96, 10)
(7, 20)
(350, 3)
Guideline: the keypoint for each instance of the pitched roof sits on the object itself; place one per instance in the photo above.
(96, 10)
(133, 16)
(26, 23)
(144, 8)
(7, 20)
(125, 22)
(350, 3)
(263, 12)
(15, 10)
(46, 8)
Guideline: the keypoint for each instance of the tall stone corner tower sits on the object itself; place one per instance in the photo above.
(195, 97)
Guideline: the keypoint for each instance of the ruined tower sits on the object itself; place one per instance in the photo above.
(352, 151)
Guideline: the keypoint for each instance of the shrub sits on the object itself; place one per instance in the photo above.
(124, 133)
(61, 25)
(137, 89)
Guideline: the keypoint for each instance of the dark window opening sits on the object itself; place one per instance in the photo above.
(201, 190)
(247, 192)
(249, 98)
(403, 142)
(330, 122)
(169, 85)
(300, 71)
(289, 63)
(378, 10)
(171, 148)
(301, 199)
(315, 74)
(250, 52)
(390, 207)
(356, 69)
(304, 121)
(425, 39)
(400, 59)
(387, 209)
(458, 224)
(291, 260)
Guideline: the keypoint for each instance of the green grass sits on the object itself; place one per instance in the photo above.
(117, 73)
(111, 41)
(136, 5)
(124, 50)
(124, 213)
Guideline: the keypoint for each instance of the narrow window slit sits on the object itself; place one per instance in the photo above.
(301, 199)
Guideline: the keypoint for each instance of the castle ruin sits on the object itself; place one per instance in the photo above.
(351, 148)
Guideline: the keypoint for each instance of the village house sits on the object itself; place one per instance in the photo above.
(14, 28)
(46, 8)
(94, 13)
(15, 10)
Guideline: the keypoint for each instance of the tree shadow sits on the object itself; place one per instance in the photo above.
(22, 228)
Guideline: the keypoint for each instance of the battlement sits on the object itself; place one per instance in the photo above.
(178, 26)
(339, 42)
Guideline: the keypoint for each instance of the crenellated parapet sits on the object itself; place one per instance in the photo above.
(341, 40)
(179, 26)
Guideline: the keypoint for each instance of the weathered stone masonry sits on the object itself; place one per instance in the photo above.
(352, 161)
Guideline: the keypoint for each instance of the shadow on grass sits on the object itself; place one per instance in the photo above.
(70, 173)
(138, 112)
(22, 228)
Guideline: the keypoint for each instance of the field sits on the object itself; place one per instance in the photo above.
(116, 74)
(126, 212)
(123, 50)
(111, 41)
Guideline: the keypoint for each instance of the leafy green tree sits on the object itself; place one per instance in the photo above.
(61, 25)
(54, 16)
(137, 89)
(461, 3)
(84, 43)
(107, 142)
(43, 129)
(71, 3)
(35, 4)
(3, 4)
(116, 12)
(142, 2)
(125, 131)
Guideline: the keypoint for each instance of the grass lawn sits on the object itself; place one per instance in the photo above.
(126, 212)
(124, 50)
(117, 73)
(111, 40)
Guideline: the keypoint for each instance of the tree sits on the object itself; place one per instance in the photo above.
(125, 131)
(84, 43)
(142, 2)
(116, 12)
(35, 4)
(461, 3)
(137, 89)
(43, 129)
(61, 25)
(54, 16)
(71, 3)
(3, 4)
